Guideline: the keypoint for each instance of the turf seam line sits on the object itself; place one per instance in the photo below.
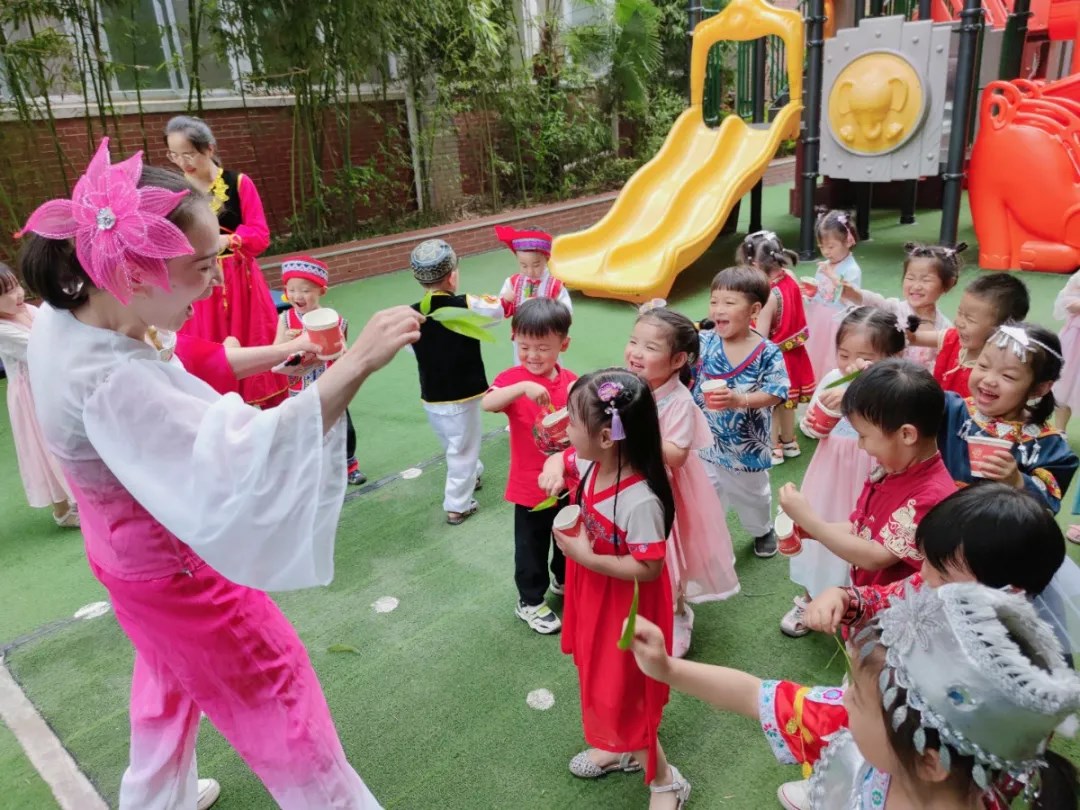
(70, 786)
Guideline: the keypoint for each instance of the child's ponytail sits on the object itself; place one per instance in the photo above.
(682, 336)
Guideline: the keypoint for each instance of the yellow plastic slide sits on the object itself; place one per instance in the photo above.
(673, 207)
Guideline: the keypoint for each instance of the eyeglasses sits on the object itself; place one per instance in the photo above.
(185, 157)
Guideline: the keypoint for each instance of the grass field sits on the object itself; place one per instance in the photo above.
(432, 710)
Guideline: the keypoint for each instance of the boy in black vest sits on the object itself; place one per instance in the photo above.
(452, 376)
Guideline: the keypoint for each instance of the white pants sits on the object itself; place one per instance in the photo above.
(459, 430)
(748, 493)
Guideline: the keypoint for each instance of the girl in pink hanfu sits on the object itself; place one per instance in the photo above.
(192, 503)
(42, 480)
(662, 349)
(241, 307)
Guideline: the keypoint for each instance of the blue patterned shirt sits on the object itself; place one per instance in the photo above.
(742, 438)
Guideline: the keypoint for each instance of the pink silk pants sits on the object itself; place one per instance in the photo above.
(204, 644)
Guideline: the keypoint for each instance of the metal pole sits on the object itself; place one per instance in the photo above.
(860, 11)
(909, 197)
(925, 13)
(758, 117)
(1012, 49)
(691, 7)
(876, 7)
(815, 58)
(971, 23)
(864, 200)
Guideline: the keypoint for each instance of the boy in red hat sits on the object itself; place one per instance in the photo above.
(532, 249)
(306, 280)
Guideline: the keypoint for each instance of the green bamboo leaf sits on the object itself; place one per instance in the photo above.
(425, 305)
(844, 380)
(464, 322)
(631, 621)
(547, 503)
(343, 648)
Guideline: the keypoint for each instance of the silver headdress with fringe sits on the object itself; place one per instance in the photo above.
(982, 670)
(1019, 342)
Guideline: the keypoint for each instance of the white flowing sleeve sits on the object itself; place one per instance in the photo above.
(487, 305)
(564, 298)
(257, 494)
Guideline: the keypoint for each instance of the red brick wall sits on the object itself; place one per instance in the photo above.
(256, 142)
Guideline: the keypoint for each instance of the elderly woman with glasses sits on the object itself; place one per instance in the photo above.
(241, 307)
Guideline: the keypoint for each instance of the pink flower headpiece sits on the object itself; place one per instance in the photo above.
(121, 234)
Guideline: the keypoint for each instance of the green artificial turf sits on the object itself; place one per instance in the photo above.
(20, 784)
(432, 710)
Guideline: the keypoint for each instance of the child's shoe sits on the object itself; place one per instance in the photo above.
(540, 618)
(70, 518)
(794, 795)
(457, 518)
(792, 625)
(356, 478)
(790, 449)
(583, 767)
(679, 786)
(683, 629)
(557, 588)
(777, 454)
(765, 546)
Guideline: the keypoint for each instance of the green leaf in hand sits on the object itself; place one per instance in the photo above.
(631, 621)
(425, 305)
(464, 322)
(341, 648)
(547, 503)
(844, 380)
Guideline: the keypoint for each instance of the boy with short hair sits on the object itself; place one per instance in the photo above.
(526, 393)
(740, 415)
(452, 376)
(306, 280)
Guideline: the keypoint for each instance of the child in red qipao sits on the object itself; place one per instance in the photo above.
(627, 511)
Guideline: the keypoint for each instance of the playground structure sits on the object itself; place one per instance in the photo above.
(671, 210)
(1019, 223)
(889, 103)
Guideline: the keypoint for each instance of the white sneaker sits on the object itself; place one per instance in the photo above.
(683, 628)
(792, 624)
(557, 588)
(794, 795)
(209, 790)
(540, 618)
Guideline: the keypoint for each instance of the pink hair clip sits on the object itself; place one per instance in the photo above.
(121, 234)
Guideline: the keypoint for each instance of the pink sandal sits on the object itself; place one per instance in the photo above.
(1072, 534)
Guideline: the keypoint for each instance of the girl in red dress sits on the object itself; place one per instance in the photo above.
(241, 307)
(784, 318)
(627, 511)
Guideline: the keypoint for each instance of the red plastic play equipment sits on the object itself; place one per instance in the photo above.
(1024, 175)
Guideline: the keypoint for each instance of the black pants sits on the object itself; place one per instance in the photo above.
(532, 540)
(350, 438)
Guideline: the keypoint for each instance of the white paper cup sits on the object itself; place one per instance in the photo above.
(710, 387)
(980, 447)
(323, 329)
(567, 519)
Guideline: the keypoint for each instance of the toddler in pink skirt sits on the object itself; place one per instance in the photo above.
(662, 349)
(41, 476)
(824, 308)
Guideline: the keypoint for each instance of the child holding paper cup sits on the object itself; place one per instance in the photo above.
(835, 477)
(627, 511)
(306, 280)
(740, 378)
(895, 408)
(662, 349)
(1003, 431)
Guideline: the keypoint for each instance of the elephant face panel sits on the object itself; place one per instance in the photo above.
(876, 103)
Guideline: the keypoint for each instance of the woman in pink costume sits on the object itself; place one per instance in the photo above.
(662, 349)
(241, 307)
(191, 502)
